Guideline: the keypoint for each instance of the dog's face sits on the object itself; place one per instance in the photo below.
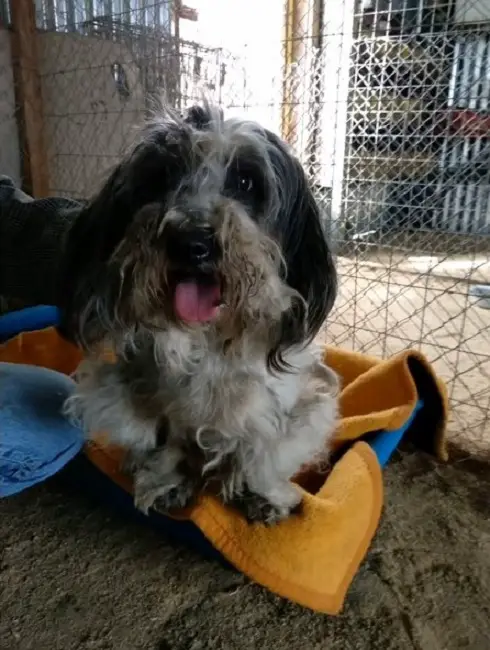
(206, 222)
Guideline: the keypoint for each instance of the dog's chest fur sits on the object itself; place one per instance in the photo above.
(198, 382)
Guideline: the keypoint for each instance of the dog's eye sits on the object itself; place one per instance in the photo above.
(245, 183)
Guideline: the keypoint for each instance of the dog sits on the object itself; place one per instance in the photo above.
(206, 267)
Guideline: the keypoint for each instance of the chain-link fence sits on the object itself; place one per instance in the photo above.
(410, 188)
(386, 102)
(415, 213)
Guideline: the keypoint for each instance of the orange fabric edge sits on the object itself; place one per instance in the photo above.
(318, 601)
(349, 426)
(228, 545)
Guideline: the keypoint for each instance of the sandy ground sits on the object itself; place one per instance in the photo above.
(73, 575)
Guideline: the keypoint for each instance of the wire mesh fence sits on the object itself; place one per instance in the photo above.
(415, 211)
(387, 104)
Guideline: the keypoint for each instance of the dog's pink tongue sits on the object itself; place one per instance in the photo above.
(197, 303)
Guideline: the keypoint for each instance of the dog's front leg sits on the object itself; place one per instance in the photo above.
(265, 494)
(247, 479)
(305, 438)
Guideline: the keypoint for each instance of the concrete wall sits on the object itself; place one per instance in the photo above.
(9, 137)
(88, 123)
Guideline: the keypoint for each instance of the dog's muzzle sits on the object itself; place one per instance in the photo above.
(194, 254)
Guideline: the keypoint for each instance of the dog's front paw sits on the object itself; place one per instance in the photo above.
(162, 493)
(131, 462)
(257, 508)
(176, 498)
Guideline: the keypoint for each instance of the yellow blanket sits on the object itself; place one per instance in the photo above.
(311, 558)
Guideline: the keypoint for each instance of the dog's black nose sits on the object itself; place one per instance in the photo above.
(194, 247)
(200, 251)
(198, 245)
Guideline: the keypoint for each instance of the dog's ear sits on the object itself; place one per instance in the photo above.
(93, 286)
(310, 265)
(291, 330)
(88, 284)
(107, 216)
(310, 268)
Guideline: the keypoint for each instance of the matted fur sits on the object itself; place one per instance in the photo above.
(261, 426)
(243, 401)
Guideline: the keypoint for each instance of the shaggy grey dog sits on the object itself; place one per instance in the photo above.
(208, 272)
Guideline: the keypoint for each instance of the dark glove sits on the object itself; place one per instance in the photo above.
(32, 242)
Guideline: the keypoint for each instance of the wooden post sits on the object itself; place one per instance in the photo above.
(29, 98)
(294, 50)
(288, 59)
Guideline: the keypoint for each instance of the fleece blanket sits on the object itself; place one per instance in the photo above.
(310, 558)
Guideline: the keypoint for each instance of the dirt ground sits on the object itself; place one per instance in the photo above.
(74, 575)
